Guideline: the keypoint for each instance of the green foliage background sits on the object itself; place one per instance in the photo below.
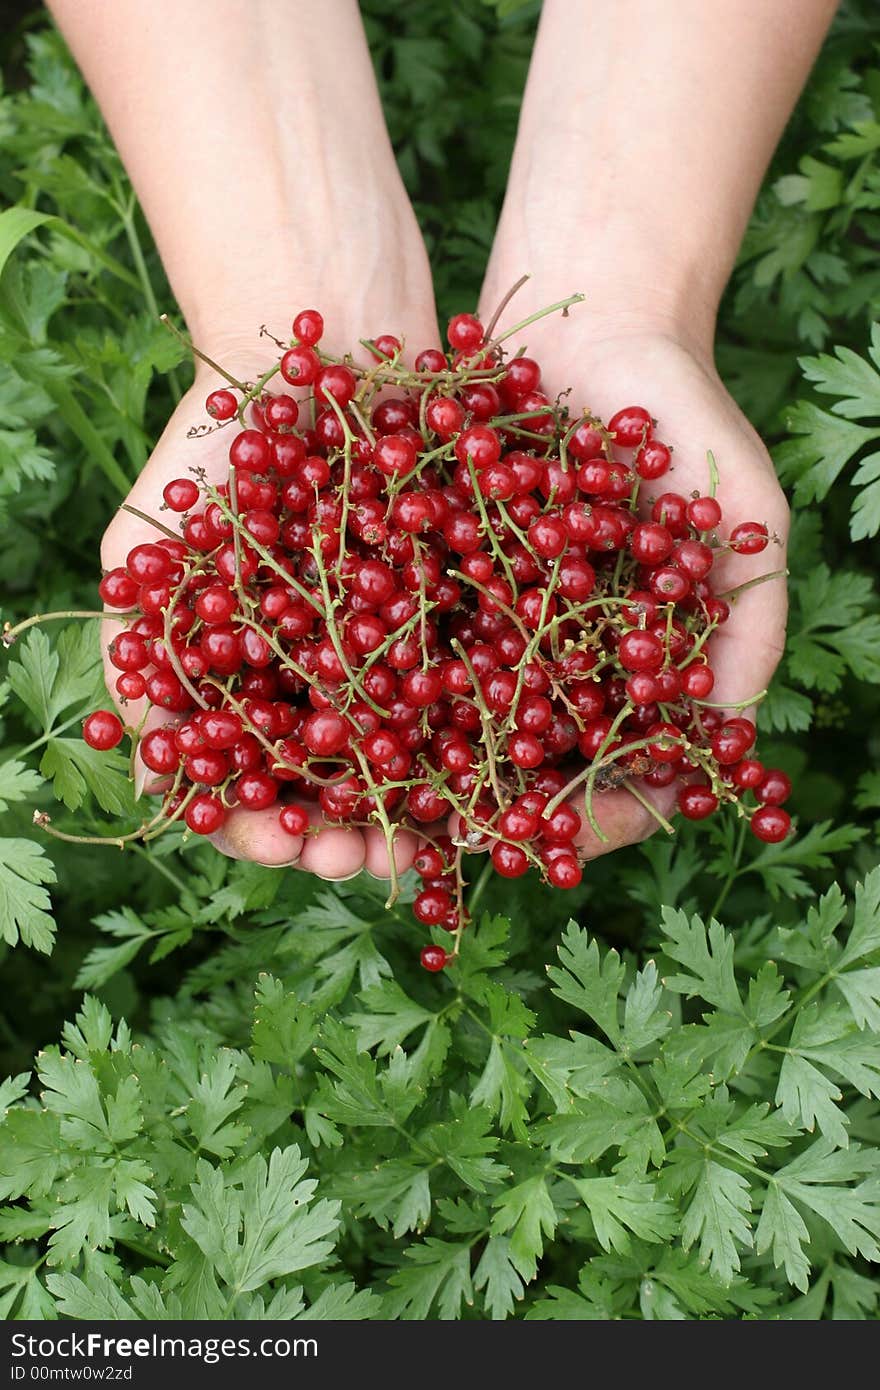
(263, 1108)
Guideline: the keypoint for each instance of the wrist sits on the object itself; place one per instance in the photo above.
(632, 287)
(368, 275)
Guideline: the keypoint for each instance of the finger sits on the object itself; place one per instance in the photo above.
(258, 837)
(377, 860)
(622, 819)
(332, 852)
(746, 650)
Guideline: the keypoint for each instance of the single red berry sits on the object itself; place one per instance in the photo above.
(651, 543)
(630, 426)
(749, 538)
(509, 860)
(670, 509)
(431, 360)
(149, 564)
(256, 790)
(281, 412)
(425, 804)
(395, 455)
(774, 788)
(479, 444)
(696, 803)
(131, 685)
(669, 585)
(386, 346)
(667, 744)
(325, 733)
(158, 751)
(652, 460)
(221, 728)
(704, 513)
(308, 326)
(771, 824)
(336, 382)
(693, 558)
(128, 652)
(294, 820)
(465, 333)
(547, 536)
(561, 825)
(444, 416)
(118, 589)
(697, 681)
(434, 958)
(431, 905)
(525, 750)
(300, 366)
(429, 862)
(180, 494)
(641, 651)
(564, 872)
(732, 741)
(748, 774)
(103, 730)
(205, 814)
(220, 405)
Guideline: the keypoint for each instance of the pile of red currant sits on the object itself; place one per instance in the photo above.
(431, 597)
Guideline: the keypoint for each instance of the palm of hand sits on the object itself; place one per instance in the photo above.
(694, 414)
(332, 851)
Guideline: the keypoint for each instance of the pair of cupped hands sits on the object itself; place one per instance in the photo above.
(628, 355)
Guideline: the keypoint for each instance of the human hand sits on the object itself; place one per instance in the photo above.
(624, 365)
(331, 851)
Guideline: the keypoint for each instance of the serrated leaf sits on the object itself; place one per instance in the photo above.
(497, 1274)
(24, 902)
(283, 1028)
(707, 954)
(17, 783)
(527, 1212)
(617, 1208)
(587, 981)
(76, 769)
(782, 1231)
(718, 1217)
(259, 1222)
(438, 1273)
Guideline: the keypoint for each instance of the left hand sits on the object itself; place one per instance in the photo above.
(681, 389)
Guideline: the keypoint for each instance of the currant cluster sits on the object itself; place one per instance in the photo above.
(431, 597)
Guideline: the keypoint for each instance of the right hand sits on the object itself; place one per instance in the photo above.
(331, 851)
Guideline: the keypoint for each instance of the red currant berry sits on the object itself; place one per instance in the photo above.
(774, 788)
(696, 803)
(564, 872)
(509, 860)
(464, 333)
(294, 820)
(103, 730)
(256, 790)
(630, 426)
(300, 366)
(749, 538)
(205, 814)
(652, 460)
(704, 513)
(308, 326)
(180, 494)
(220, 405)
(434, 958)
(771, 824)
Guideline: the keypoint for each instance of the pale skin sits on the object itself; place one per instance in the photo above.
(254, 136)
